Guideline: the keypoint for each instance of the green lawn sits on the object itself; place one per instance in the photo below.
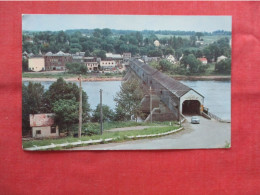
(120, 136)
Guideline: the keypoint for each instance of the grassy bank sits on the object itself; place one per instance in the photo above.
(120, 136)
(65, 75)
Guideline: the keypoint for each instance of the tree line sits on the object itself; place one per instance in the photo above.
(107, 40)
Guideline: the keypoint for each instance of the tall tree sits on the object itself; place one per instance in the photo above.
(32, 103)
(165, 65)
(60, 90)
(66, 113)
(128, 99)
(108, 114)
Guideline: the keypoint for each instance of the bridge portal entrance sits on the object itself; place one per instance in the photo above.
(191, 107)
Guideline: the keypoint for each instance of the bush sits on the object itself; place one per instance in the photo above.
(224, 66)
(77, 68)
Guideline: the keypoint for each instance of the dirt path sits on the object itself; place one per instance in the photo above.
(131, 128)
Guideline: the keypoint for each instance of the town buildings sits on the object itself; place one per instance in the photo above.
(43, 125)
(57, 61)
(107, 65)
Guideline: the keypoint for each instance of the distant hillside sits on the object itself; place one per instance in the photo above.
(144, 32)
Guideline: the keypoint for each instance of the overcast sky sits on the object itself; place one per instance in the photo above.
(53, 22)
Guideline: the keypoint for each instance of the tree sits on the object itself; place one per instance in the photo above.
(66, 113)
(193, 40)
(155, 53)
(191, 62)
(224, 66)
(32, 103)
(77, 68)
(169, 51)
(165, 65)
(199, 35)
(128, 99)
(106, 32)
(108, 114)
(25, 65)
(60, 90)
(100, 53)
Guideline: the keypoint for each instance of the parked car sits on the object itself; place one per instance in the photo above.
(195, 120)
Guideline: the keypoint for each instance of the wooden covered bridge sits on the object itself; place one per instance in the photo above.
(170, 98)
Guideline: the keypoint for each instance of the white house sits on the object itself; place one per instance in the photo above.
(156, 43)
(107, 65)
(36, 64)
(43, 125)
(221, 58)
(92, 66)
(171, 59)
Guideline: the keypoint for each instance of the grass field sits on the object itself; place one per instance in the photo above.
(207, 39)
(120, 136)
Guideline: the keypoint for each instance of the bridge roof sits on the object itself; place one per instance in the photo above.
(175, 87)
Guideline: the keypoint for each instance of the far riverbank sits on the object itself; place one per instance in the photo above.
(96, 79)
(91, 79)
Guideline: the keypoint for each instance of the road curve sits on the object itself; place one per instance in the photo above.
(207, 134)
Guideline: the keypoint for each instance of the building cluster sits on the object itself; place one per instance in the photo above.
(57, 61)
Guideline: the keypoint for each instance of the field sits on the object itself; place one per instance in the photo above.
(207, 39)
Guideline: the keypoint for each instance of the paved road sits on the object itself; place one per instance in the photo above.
(207, 134)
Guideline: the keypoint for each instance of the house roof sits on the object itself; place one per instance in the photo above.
(41, 120)
(60, 53)
(203, 59)
(222, 57)
(110, 55)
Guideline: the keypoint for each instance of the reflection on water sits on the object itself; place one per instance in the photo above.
(217, 94)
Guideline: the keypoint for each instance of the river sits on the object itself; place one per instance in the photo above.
(217, 94)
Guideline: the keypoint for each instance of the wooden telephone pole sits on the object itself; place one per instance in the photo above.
(101, 113)
(151, 105)
(80, 107)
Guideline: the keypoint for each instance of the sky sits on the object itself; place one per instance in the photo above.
(57, 22)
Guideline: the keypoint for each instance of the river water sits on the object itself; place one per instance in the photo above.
(217, 94)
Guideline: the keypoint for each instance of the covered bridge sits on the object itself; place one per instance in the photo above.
(177, 97)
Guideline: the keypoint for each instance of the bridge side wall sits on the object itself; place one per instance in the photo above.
(166, 97)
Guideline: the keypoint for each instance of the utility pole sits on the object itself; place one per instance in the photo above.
(80, 107)
(101, 113)
(151, 105)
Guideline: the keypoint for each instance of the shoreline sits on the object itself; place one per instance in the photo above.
(99, 79)
(204, 78)
(91, 79)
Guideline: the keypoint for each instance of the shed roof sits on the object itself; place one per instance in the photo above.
(41, 120)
